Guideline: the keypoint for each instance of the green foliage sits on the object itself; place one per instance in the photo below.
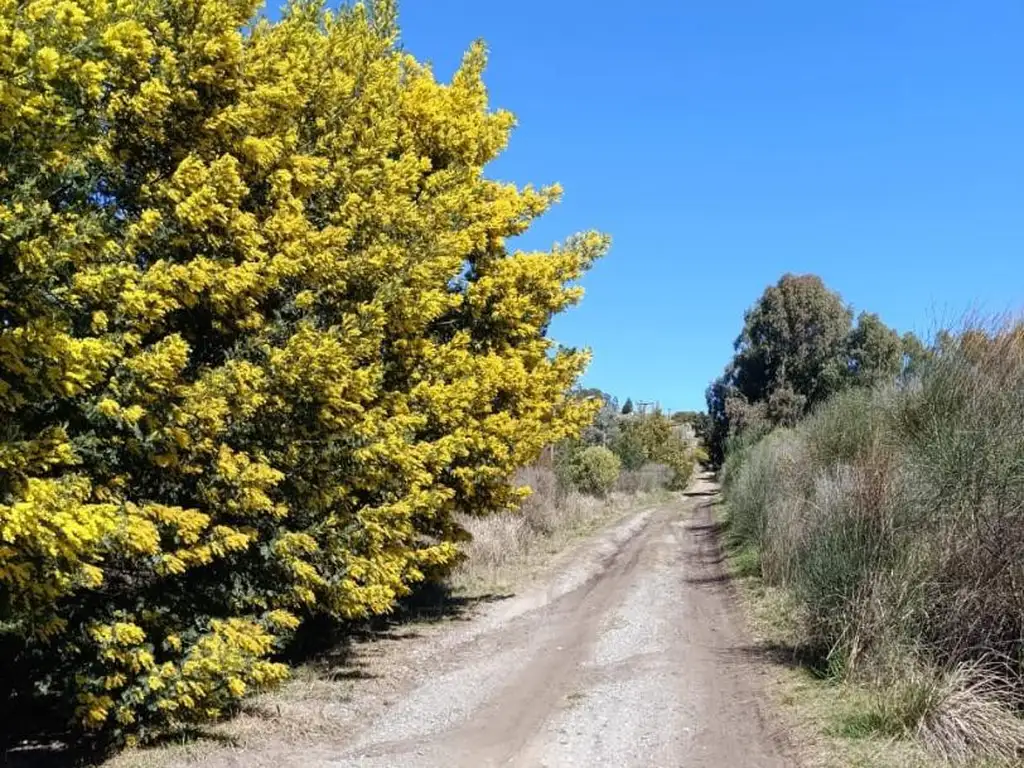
(628, 407)
(564, 455)
(875, 351)
(784, 407)
(653, 437)
(799, 347)
(604, 429)
(639, 442)
(915, 354)
(794, 335)
(694, 418)
(631, 447)
(596, 470)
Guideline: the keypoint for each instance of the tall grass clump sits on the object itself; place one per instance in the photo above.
(895, 517)
(650, 478)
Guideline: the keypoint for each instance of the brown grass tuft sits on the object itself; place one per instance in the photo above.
(505, 547)
(894, 517)
(971, 713)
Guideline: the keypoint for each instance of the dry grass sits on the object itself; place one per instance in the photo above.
(509, 547)
(893, 521)
(650, 478)
(971, 712)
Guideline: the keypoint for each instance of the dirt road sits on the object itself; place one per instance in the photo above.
(631, 656)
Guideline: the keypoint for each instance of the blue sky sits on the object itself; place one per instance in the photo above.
(878, 144)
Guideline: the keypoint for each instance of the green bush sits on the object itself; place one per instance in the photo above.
(564, 457)
(630, 446)
(655, 438)
(596, 470)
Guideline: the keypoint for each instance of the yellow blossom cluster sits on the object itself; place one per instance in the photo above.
(261, 337)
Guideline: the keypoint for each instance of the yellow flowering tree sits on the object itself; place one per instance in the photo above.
(261, 337)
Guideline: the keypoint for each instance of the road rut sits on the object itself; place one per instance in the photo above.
(636, 667)
(632, 656)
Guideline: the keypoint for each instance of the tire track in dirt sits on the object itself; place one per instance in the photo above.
(630, 655)
(634, 668)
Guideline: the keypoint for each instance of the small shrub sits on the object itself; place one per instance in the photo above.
(596, 470)
(746, 561)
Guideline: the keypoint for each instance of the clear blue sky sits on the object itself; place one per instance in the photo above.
(879, 144)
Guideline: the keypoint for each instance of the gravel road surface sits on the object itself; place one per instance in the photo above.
(629, 655)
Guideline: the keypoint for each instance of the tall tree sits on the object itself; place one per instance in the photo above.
(793, 337)
(604, 429)
(915, 354)
(797, 348)
(874, 350)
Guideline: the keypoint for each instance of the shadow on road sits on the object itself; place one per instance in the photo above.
(32, 737)
(329, 646)
(810, 658)
(713, 535)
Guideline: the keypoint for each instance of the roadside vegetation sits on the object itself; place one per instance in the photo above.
(506, 548)
(501, 553)
(883, 510)
(266, 360)
(263, 348)
(622, 461)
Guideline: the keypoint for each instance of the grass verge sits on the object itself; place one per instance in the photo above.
(893, 518)
(837, 723)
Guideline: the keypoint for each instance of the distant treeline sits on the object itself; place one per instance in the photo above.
(799, 346)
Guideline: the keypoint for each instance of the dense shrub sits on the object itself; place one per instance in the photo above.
(630, 446)
(896, 516)
(260, 339)
(596, 470)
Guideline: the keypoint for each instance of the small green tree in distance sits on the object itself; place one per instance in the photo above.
(595, 470)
